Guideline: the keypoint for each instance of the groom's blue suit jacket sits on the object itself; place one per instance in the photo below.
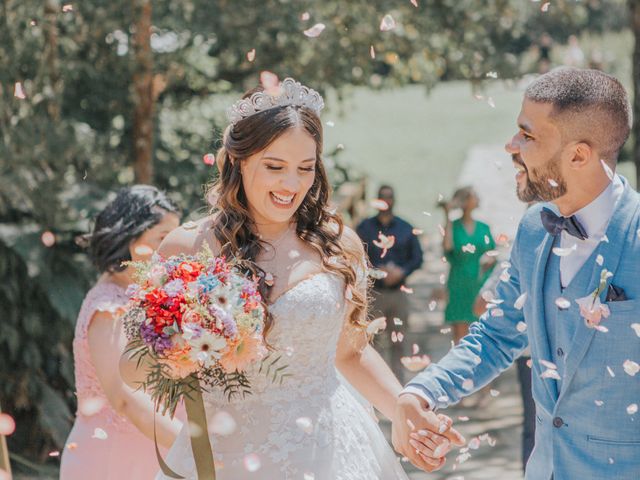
(586, 426)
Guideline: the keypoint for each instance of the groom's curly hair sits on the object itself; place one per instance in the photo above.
(588, 106)
(316, 222)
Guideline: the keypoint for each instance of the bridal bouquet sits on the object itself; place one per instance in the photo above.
(197, 322)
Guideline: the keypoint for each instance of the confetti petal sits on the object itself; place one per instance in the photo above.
(552, 182)
(100, 434)
(545, 7)
(415, 348)
(91, 406)
(315, 31)
(222, 423)
(521, 327)
(549, 373)
(467, 384)
(564, 252)
(416, 362)
(636, 328)
(632, 409)
(598, 403)
(433, 304)
(252, 462)
(209, 159)
(372, 52)
(397, 321)
(414, 3)
(387, 23)
(406, 289)
(305, 424)
(610, 372)
(376, 325)
(600, 260)
(7, 424)
(305, 16)
(379, 204)
(519, 303)
(48, 239)
(630, 367)
(18, 91)
(469, 248)
(563, 303)
(474, 443)
(494, 393)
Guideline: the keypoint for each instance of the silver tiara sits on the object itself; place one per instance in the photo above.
(290, 93)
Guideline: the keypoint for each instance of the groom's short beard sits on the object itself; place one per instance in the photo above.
(540, 189)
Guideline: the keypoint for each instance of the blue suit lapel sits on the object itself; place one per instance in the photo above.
(611, 252)
(538, 327)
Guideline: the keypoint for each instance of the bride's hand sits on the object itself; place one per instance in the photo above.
(422, 436)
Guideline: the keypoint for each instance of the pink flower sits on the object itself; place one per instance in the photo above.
(592, 310)
(243, 353)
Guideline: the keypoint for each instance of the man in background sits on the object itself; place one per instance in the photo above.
(397, 263)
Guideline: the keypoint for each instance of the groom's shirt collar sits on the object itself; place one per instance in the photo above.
(594, 218)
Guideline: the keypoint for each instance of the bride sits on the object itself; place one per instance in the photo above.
(271, 209)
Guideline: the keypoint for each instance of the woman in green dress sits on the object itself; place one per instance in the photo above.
(466, 242)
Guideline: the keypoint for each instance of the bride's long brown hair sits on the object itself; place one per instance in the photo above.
(316, 223)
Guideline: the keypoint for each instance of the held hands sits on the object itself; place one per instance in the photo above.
(421, 435)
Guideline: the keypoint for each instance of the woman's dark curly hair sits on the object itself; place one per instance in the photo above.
(316, 222)
(135, 210)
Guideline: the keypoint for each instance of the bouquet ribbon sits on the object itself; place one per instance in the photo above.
(199, 432)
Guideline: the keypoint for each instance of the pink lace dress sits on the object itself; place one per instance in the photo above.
(102, 444)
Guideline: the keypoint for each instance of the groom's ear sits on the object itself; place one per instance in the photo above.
(580, 154)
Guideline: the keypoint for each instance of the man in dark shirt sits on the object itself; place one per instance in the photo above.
(398, 262)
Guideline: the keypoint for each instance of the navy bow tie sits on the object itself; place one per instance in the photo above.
(555, 224)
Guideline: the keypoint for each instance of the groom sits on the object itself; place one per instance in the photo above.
(572, 291)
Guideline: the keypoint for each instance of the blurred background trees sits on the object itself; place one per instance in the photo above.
(99, 94)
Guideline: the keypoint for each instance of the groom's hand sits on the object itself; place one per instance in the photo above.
(422, 436)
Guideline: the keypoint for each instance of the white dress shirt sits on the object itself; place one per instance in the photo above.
(594, 218)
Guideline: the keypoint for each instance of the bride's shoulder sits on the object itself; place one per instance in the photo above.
(188, 238)
(351, 242)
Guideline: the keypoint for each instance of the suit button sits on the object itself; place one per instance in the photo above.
(558, 422)
(560, 352)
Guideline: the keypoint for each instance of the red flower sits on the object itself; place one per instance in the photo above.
(163, 310)
(188, 271)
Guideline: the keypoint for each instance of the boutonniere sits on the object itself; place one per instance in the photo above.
(591, 309)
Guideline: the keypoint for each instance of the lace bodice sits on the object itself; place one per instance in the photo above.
(308, 427)
(104, 296)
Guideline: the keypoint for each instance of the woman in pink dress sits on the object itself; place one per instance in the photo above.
(112, 437)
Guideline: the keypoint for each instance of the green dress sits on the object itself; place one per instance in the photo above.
(465, 278)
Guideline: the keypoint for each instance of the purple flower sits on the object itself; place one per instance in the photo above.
(158, 342)
(174, 287)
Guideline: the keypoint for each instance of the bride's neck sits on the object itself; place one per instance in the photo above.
(272, 231)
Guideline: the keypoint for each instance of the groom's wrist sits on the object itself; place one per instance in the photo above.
(418, 392)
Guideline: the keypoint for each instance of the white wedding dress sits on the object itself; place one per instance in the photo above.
(309, 428)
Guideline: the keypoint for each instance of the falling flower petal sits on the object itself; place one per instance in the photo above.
(143, 250)
(505, 276)
(48, 239)
(445, 330)
(416, 362)
(552, 182)
(251, 55)
(636, 328)
(610, 371)
(443, 398)
(417, 231)
(305, 424)
(631, 367)
(491, 102)
(406, 289)
(607, 169)
(397, 321)
(414, 3)
(564, 252)
(563, 303)
(632, 409)
(494, 393)
(519, 303)
(549, 373)
(469, 248)
(7, 424)
(384, 242)
(308, 476)
(467, 384)
(18, 91)
(222, 423)
(270, 83)
(433, 304)
(545, 7)
(376, 325)
(548, 364)
(67, 8)
(598, 403)
(209, 159)
(377, 274)
(397, 337)
(474, 443)
(315, 31)
(415, 348)
(100, 434)
(305, 16)
(492, 74)
(372, 52)
(497, 312)
(91, 406)
(463, 418)
(54, 454)
(387, 23)
(600, 260)
(379, 204)
(252, 462)
(521, 327)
